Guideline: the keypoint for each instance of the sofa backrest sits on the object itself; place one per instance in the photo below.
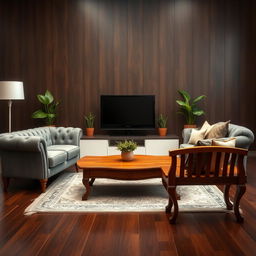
(65, 135)
(244, 136)
(43, 132)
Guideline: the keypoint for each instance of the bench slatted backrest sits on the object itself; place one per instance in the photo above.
(207, 165)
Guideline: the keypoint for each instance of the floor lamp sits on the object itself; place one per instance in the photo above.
(11, 90)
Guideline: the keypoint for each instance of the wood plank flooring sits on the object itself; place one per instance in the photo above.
(135, 234)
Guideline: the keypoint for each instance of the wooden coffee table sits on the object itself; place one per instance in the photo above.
(142, 167)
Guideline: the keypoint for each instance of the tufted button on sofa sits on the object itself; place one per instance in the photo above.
(38, 153)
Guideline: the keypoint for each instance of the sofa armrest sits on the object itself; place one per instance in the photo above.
(244, 136)
(10, 142)
(66, 135)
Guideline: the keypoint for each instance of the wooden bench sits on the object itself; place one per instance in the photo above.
(208, 165)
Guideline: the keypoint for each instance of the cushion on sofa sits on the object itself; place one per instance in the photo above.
(196, 135)
(206, 126)
(218, 130)
(186, 145)
(56, 157)
(71, 150)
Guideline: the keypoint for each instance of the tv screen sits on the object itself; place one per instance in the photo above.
(127, 112)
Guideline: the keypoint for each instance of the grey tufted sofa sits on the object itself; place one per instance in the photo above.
(244, 136)
(38, 153)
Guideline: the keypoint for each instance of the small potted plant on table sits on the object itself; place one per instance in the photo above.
(162, 125)
(189, 109)
(89, 122)
(127, 147)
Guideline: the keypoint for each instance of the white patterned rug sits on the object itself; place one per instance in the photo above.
(64, 195)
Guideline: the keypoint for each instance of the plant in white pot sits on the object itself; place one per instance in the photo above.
(127, 147)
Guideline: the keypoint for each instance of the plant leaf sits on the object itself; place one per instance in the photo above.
(50, 115)
(182, 103)
(198, 98)
(185, 95)
(198, 112)
(42, 99)
(39, 114)
(49, 96)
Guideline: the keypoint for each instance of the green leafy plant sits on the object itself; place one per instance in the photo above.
(89, 120)
(126, 146)
(188, 107)
(162, 121)
(49, 108)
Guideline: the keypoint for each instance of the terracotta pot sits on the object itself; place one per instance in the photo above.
(127, 156)
(89, 132)
(162, 131)
(189, 126)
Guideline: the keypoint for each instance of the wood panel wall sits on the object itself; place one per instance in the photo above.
(81, 49)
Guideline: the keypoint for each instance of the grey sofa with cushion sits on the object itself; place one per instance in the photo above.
(244, 136)
(38, 153)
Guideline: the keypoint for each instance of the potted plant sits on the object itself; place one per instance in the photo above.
(48, 113)
(162, 125)
(89, 122)
(189, 108)
(127, 147)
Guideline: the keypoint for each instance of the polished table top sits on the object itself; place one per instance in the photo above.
(115, 162)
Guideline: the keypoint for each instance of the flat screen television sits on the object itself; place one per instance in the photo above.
(127, 112)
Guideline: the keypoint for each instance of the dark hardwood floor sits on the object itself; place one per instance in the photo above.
(125, 233)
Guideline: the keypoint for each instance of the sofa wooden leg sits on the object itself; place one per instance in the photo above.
(77, 169)
(6, 182)
(43, 183)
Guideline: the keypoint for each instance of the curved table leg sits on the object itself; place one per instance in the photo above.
(91, 181)
(87, 187)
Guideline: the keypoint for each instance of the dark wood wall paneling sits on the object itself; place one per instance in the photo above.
(82, 49)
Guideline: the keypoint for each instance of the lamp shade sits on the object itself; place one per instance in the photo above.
(11, 90)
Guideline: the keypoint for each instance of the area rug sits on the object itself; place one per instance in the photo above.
(64, 195)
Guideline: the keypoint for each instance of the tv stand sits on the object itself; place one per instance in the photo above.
(103, 145)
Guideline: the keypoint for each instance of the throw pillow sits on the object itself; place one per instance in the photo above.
(229, 142)
(218, 130)
(206, 126)
(196, 135)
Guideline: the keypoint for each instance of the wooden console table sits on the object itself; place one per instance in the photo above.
(142, 167)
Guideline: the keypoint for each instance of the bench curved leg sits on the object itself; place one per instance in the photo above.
(173, 198)
(240, 190)
(226, 197)
(168, 208)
